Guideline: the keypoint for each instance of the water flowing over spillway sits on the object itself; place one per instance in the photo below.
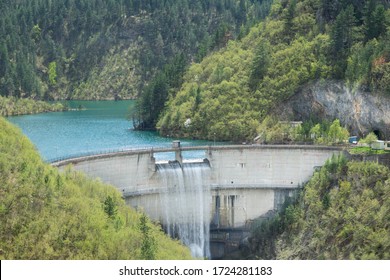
(186, 204)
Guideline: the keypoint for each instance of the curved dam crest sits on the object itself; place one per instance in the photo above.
(225, 190)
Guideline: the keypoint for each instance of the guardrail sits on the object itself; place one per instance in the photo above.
(119, 152)
(96, 153)
(128, 150)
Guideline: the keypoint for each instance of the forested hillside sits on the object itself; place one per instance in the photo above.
(229, 93)
(106, 49)
(342, 213)
(45, 214)
(12, 106)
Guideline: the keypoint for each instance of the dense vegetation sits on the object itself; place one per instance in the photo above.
(273, 131)
(11, 106)
(106, 49)
(342, 213)
(45, 214)
(229, 93)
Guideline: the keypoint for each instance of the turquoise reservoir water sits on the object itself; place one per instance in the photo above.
(102, 126)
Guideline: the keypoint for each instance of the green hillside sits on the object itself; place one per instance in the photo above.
(229, 93)
(45, 214)
(342, 213)
(109, 49)
(11, 106)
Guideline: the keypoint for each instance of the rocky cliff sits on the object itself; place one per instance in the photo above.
(360, 111)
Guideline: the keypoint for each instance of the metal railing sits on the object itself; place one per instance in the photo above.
(154, 149)
(99, 152)
(186, 147)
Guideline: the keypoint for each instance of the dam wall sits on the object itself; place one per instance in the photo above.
(125, 170)
(244, 181)
(268, 166)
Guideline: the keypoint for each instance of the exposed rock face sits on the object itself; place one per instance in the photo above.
(361, 112)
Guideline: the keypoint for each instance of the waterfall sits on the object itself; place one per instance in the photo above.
(186, 204)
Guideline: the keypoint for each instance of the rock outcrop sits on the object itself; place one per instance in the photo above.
(360, 111)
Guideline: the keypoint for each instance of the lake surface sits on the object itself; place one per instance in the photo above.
(101, 126)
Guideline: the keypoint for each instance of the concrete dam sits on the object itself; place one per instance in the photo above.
(207, 202)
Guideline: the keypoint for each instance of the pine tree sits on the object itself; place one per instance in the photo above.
(288, 19)
(148, 246)
(374, 20)
(110, 208)
(259, 65)
(52, 73)
(4, 60)
(343, 35)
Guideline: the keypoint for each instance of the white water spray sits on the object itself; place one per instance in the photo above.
(186, 204)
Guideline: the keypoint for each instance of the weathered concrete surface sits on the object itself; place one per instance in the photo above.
(271, 166)
(255, 176)
(122, 171)
(245, 181)
(362, 112)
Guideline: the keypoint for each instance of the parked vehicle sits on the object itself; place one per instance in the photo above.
(353, 139)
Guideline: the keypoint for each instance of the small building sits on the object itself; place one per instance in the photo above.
(292, 123)
(387, 145)
(378, 145)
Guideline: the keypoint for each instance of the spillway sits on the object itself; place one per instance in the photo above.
(186, 204)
